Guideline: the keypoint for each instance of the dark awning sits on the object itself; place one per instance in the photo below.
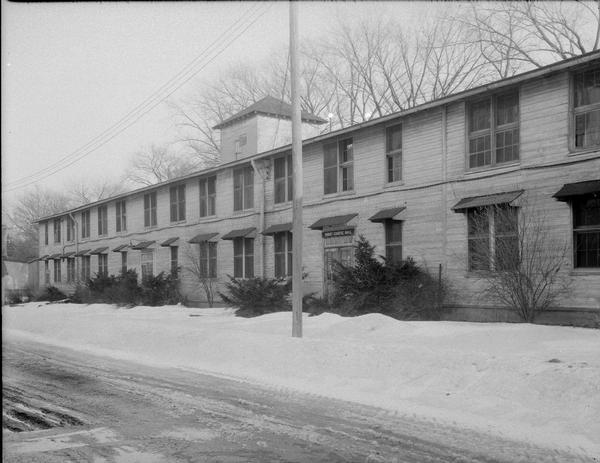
(386, 214)
(66, 255)
(121, 248)
(202, 237)
(55, 256)
(169, 242)
(81, 253)
(142, 245)
(31, 261)
(487, 200)
(278, 228)
(241, 233)
(334, 221)
(44, 257)
(101, 250)
(570, 190)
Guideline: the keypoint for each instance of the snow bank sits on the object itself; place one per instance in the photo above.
(536, 383)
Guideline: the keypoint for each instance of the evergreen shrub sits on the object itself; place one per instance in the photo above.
(258, 296)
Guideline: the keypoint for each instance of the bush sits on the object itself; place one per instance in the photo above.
(161, 290)
(51, 293)
(400, 290)
(258, 296)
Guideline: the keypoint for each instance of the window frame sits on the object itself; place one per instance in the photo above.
(177, 203)
(390, 245)
(86, 267)
(57, 271)
(47, 272)
(123, 262)
(145, 262)
(394, 153)
(493, 130)
(244, 191)
(57, 230)
(208, 199)
(86, 222)
(46, 233)
(287, 180)
(70, 270)
(340, 166)
(70, 222)
(245, 259)
(121, 216)
(578, 110)
(102, 212)
(578, 230)
(102, 264)
(207, 258)
(174, 260)
(285, 254)
(150, 207)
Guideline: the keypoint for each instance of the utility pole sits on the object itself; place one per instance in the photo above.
(298, 187)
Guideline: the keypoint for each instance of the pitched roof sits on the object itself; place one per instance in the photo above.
(272, 107)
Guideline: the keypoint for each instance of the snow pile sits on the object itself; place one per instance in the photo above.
(537, 383)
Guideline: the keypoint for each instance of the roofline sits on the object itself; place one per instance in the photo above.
(312, 120)
(465, 94)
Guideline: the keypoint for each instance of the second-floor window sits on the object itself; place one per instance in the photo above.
(493, 130)
(586, 108)
(102, 220)
(150, 209)
(243, 188)
(393, 153)
(243, 257)
(57, 230)
(70, 229)
(177, 199)
(121, 216)
(208, 196)
(283, 179)
(46, 233)
(85, 224)
(338, 166)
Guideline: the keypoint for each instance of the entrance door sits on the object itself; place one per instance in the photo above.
(344, 255)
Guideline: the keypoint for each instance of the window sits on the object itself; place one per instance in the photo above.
(123, 262)
(147, 263)
(177, 195)
(70, 270)
(46, 233)
(70, 229)
(586, 231)
(586, 108)
(47, 272)
(393, 240)
(494, 130)
(56, 270)
(243, 257)
(85, 224)
(243, 188)
(239, 142)
(121, 216)
(102, 264)
(85, 268)
(57, 230)
(150, 209)
(283, 179)
(393, 153)
(102, 220)
(208, 259)
(208, 196)
(283, 254)
(492, 238)
(174, 260)
(338, 167)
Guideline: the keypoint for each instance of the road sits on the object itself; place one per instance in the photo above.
(75, 407)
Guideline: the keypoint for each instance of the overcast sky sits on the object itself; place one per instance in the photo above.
(72, 70)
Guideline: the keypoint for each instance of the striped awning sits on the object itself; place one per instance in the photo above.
(142, 245)
(121, 248)
(170, 241)
(202, 237)
(487, 200)
(101, 250)
(241, 233)
(278, 228)
(571, 190)
(386, 214)
(335, 221)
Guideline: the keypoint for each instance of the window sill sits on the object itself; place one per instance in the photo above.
(243, 211)
(151, 227)
(585, 271)
(207, 217)
(178, 222)
(481, 170)
(282, 206)
(583, 151)
(339, 194)
(391, 185)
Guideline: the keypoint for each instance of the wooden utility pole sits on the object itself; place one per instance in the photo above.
(298, 187)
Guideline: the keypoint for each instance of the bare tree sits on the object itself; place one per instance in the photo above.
(198, 268)
(518, 258)
(155, 164)
(85, 192)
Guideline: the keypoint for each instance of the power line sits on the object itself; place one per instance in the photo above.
(149, 103)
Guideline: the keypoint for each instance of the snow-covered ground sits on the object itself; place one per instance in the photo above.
(528, 382)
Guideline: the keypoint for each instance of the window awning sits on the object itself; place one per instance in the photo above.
(31, 261)
(169, 242)
(487, 200)
(142, 245)
(570, 190)
(82, 253)
(335, 221)
(202, 237)
(278, 228)
(241, 233)
(66, 255)
(101, 250)
(121, 248)
(55, 256)
(386, 214)
(44, 257)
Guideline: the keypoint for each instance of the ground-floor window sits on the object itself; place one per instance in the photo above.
(243, 257)
(283, 254)
(492, 238)
(85, 267)
(124, 262)
(393, 241)
(208, 259)
(338, 247)
(70, 270)
(586, 231)
(102, 264)
(174, 260)
(47, 272)
(147, 263)
(56, 271)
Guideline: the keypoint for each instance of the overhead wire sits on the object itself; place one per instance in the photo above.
(187, 73)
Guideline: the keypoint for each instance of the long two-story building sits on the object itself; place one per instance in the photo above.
(410, 182)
